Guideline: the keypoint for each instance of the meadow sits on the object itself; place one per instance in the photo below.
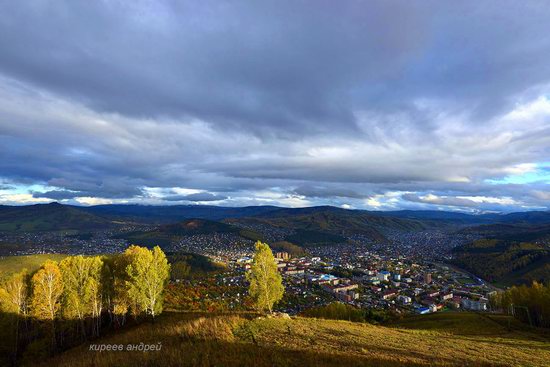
(206, 339)
(14, 264)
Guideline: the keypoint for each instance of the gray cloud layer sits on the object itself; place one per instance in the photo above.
(371, 104)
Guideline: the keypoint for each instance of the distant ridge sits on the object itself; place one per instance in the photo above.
(49, 217)
(55, 216)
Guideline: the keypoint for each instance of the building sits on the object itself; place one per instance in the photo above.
(389, 294)
(348, 296)
(404, 299)
(282, 255)
(427, 278)
(470, 304)
(397, 277)
(383, 275)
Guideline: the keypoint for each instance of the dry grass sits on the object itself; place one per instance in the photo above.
(204, 340)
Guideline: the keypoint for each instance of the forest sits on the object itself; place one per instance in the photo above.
(64, 303)
(530, 304)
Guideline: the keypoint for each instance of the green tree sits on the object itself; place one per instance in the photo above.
(266, 284)
(148, 273)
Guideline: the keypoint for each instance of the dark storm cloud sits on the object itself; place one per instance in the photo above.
(200, 196)
(57, 194)
(309, 102)
(284, 67)
(327, 192)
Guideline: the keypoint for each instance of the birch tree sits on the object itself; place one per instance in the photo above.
(13, 300)
(148, 273)
(47, 288)
(266, 284)
(82, 288)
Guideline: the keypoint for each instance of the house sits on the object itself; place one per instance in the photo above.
(389, 294)
(383, 275)
(348, 296)
(404, 299)
(293, 271)
(469, 304)
(432, 293)
(282, 255)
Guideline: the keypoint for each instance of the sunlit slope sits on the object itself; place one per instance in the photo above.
(230, 340)
(14, 264)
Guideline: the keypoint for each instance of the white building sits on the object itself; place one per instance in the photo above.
(404, 299)
(470, 304)
(383, 275)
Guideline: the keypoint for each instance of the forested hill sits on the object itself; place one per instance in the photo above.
(50, 217)
(505, 262)
(166, 234)
(327, 224)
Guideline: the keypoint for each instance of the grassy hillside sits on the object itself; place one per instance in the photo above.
(449, 339)
(505, 262)
(49, 217)
(13, 264)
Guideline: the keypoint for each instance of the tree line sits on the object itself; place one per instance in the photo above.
(69, 301)
(530, 304)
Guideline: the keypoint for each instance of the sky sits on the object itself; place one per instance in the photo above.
(377, 105)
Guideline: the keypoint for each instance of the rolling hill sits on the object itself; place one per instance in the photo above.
(174, 213)
(521, 232)
(443, 339)
(165, 234)
(322, 225)
(49, 217)
(505, 262)
(14, 264)
(55, 216)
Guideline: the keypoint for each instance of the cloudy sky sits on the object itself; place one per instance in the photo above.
(377, 105)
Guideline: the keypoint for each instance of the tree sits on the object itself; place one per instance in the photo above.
(13, 299)
(148, 273)
(47, 288)
(82, 288)
(266, 284)
(13, 296)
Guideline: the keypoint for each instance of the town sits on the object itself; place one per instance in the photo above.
(406, 276)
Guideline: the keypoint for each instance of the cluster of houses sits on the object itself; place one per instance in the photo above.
(407, 288)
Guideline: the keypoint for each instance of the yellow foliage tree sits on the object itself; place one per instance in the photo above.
(266, 284)
(47, 288)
